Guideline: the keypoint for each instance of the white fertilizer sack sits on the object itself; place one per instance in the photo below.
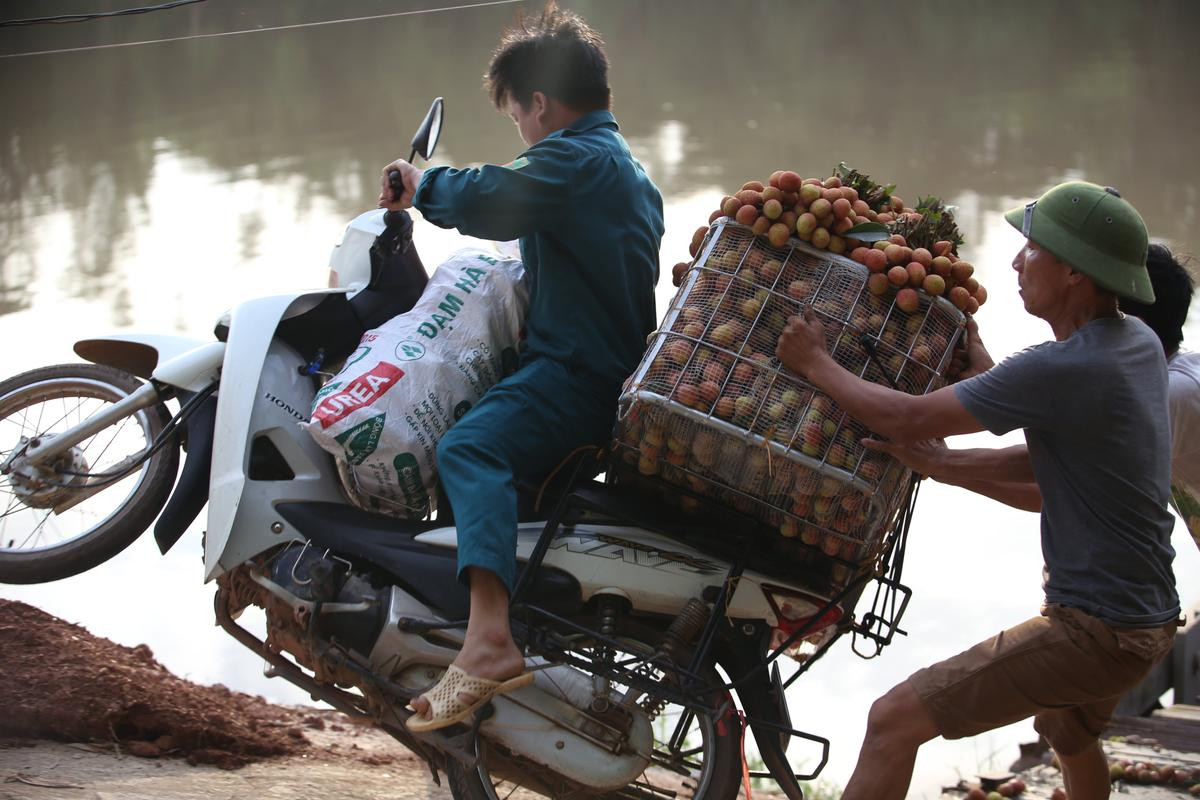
(410, 380)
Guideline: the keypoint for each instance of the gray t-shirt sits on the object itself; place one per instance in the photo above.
(1094, 410)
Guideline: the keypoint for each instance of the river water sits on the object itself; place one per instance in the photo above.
(151, 186)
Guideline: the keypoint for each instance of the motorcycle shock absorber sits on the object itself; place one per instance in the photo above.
(679, 634)
(608, 611)
(683, 629)
(609, 608)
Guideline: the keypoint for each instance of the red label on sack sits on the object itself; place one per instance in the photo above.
(360, 392)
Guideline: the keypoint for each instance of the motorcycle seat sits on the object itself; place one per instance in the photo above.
(427, 572)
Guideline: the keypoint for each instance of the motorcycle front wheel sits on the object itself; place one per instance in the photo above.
(696, 756)
(51, 526)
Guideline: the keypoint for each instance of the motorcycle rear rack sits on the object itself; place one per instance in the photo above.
(879, 625)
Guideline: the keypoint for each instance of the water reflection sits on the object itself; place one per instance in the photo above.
(154, 186)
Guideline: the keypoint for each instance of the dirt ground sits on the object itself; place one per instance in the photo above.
(85, 718)
(360, 763)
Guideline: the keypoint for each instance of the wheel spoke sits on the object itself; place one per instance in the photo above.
(113, 438)
(19, 425)
(15, 501)
(48, 406)
(65, 414)
(10, 510)
(37, 527)
(4, 543)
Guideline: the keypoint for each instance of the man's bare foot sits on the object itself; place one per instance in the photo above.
(486, 657)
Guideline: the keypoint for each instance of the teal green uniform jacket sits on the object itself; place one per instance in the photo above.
(590, 223)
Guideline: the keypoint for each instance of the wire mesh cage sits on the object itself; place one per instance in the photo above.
(711, 416)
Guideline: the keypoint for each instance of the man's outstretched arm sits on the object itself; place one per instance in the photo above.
(1003, 474)
(895, 415)
(492, 202)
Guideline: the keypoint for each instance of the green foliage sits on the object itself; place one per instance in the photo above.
(819, 789)
(937, 224)
(868, 232)
(870, 192)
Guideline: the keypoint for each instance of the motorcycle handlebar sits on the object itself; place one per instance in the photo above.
(395, 182)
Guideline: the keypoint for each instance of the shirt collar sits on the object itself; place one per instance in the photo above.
(589, 121)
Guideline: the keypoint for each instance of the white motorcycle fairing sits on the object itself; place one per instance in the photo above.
(605, 557)
(263, 396)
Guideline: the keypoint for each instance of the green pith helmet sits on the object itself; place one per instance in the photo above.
(1093, 229)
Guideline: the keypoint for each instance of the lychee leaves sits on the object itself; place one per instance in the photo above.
(870, 192)
(936, 224)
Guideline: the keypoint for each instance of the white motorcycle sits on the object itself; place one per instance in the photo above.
(655, 643)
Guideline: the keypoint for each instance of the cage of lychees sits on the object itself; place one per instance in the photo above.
(710, 416)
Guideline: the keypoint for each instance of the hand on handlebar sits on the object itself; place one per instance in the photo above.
(410, 178)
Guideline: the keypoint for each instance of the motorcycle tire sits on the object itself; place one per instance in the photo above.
(48, 393)
(721, 778)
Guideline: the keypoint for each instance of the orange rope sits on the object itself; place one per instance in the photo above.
(745, 766)
(537, 503)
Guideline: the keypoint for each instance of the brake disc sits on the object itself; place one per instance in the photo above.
(46, 485)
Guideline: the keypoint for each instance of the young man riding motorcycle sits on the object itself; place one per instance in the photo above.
(590, 223)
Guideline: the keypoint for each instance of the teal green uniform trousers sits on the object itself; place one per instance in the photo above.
(518, 432)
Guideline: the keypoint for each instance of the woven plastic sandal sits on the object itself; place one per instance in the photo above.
(447, 709)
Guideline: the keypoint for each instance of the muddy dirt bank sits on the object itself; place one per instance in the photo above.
(83, 717)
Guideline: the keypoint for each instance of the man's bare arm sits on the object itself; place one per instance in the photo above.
(896, 415)
(1003, 474)
(1025, 496)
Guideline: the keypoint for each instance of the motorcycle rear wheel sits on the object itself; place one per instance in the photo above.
(710, 768)
(37, 545)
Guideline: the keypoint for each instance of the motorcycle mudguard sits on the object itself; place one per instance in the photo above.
(191, 490)
(762, 698)
(137, 354)
(263, 397)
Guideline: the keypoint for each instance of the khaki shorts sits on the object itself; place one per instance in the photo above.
(1065, 668)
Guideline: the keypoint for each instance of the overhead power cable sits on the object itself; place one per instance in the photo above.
(12, 23)
(263, 30)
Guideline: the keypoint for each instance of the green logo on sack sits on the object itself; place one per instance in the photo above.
(325, 390)
(361, 440)
(409, 350)
(408, 475)
(358, 355)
